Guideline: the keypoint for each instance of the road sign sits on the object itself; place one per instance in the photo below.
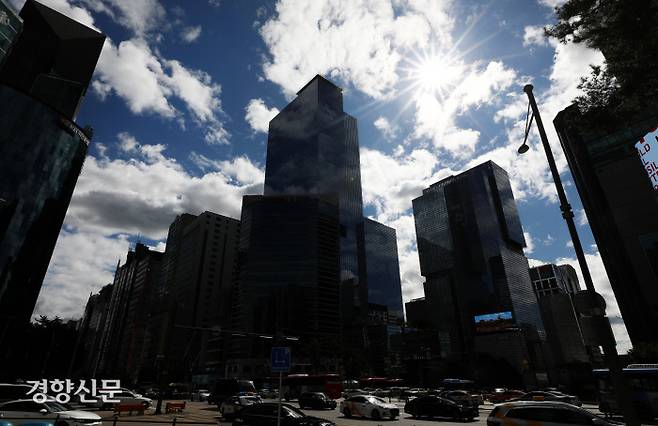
(280, 360)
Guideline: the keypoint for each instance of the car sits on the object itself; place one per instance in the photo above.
(316, 400)
(265, 414)
(571, 399)
(547, 396)
(460, 397)
(200, 395)
(231, 406)
(436, 406)
(368, 406)
(353, 392)
(543, 413)
(24, 411)
(268, 393)
(124, 396)
(502, 395)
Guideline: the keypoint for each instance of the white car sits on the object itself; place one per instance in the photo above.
(27, 411)
(200, 395)
(124, 396)
(368, 406)
(543, 413)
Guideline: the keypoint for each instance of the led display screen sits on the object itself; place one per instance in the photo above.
(647, 149)
(493, 322)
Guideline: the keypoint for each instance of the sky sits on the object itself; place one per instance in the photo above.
(183, 92)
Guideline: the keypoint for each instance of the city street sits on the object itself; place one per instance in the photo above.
(201, 412)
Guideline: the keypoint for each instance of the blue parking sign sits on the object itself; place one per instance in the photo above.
(280, 359)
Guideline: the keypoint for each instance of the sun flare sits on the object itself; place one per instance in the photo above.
(436, 73)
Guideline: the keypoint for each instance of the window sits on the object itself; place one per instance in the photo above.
(531, 413)
(571, 417)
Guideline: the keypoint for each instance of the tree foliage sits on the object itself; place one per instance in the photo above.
(625, 31)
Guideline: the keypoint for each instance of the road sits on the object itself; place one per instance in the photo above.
(201, 412)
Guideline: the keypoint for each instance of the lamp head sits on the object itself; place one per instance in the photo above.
(523, 148)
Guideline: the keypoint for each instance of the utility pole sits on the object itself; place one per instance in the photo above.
(599, 330)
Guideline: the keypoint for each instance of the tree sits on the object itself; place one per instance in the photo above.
(625, 32)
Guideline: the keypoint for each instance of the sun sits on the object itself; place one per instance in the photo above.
(435, 73)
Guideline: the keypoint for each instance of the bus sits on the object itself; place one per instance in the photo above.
(294, 385)
(380, 382)
(643, 381)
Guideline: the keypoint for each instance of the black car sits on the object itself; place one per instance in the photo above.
(316, 400)
(435, 406)
(265, 415)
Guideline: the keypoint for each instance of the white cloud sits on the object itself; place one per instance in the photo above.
(77, 13)
(552, 3)
(530, 243)
(82, 263)
(388, 130)
(390, 183)
(191, 34)
(142, 17)
(357, 42)
(533, 35)
(581, 217)
(127, 142)
(436, 111)
(142, 195)
(156, 82)
(548, 240)
(258, 115)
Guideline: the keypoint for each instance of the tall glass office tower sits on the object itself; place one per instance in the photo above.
(42, 82)
(288, 270)
(470, 244)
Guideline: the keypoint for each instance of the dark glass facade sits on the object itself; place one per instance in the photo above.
(42, 80)
(10, 27)
(313, 148)
(289, 262)
(470, 244)
(380, 274)
(53, 59)
(41, 155)
(621, 203)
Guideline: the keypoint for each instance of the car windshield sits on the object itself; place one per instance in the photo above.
(376, 400)
(55, 407)
(246, 400)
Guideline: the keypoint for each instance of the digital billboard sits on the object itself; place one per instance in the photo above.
(497, 321)
(647, 149)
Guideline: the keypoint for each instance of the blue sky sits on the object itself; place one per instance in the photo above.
(183, 91)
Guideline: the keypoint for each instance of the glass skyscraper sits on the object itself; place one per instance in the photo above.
(312, 178)
(477, 289)
(42, 150)
(615, 167)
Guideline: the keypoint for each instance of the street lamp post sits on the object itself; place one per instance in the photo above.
(592, 299)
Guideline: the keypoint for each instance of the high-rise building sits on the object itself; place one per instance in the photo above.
(313, 148)
(477, 289)
(313, 158)
(42, 81)
(615, 167)
(126, 337)
(288, 281)
(555, 287)
(380, 282)
(199, 270)
(10, 27)
(90, 332)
